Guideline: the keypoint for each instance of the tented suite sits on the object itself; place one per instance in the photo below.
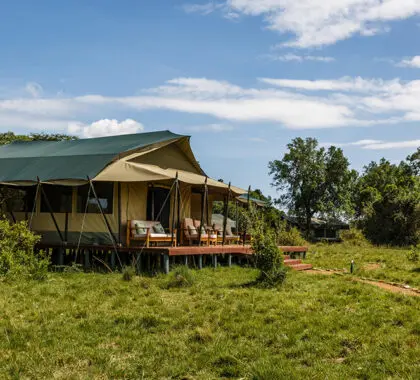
(84, 191)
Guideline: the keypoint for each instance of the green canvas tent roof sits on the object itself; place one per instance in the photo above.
(25, 161)
(244, 199)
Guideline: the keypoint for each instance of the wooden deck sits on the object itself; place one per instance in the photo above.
(236, 249)
(152, 259)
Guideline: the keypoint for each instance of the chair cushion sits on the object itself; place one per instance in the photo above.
(157, 235)
(213, 236)
(192, 231)
(158, 229)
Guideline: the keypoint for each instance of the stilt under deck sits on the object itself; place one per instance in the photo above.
(147, 259)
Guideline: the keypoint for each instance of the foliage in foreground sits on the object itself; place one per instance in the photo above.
(180, 277)
(86, 325)
(267, 256)
(17, 256)
(289, 236)
(354, 236)
(413, 254)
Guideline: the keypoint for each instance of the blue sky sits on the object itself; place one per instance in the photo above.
(242, 77)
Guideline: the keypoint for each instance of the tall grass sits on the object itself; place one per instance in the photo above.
(94, 326)
(389, 263)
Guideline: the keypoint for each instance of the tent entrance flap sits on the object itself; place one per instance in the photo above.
(156, 205)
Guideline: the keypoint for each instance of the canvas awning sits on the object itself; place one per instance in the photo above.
(71, 163)
(126, 171)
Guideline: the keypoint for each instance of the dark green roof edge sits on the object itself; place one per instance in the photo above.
(75, 159)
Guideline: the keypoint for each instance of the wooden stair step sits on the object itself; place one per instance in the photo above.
(286, 257)
(292, 262)
(301, 266)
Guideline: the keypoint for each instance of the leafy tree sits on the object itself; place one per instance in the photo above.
(313, 181)
(388, 202)
(8, 137)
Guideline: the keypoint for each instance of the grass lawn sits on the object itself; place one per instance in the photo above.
(78, 326)
(383, 263)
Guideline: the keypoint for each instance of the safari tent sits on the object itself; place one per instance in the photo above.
(85, 191)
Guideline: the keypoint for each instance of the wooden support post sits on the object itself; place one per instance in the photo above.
(229, 260)
(200, 261)
(148, 263)
(87, 259)
(138, 262)
(166, 263)
(113, 260)
(214, 257)
(60, 256)
(186, 260)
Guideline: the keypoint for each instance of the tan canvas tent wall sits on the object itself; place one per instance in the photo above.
(130, 163)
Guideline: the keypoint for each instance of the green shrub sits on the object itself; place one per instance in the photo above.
(354, 236)
(290, 236)
(128, 273)
(268, 258)
(180, 277)
(413, 254)
(17, 256)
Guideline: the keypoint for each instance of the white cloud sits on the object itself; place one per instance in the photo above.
(299, 58)
(413, 62)
(104, 127)
(34, 89)
(211, 128)
(203, 9)
(321, 22)
(294, 104)
(393, 145)
(379, 144)
(343, 84)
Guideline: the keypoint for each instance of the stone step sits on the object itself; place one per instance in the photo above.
(292, 262)
(301, 266)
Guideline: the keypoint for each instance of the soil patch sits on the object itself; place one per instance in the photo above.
(383, 285)
(323, 271)
(391, 288)
(372, 266)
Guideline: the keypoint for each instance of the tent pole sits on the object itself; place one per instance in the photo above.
(178, 227)
(47, 202)
(203, 205)
(173, 209)
(113, 239)
(236, 217)
(66, 227)
(248, 199)
(34, 205)
(225, 216)
(119, 213)
(152, 190)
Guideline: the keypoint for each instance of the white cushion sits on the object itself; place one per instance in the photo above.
(155, 235)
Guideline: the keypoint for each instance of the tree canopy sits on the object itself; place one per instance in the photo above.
(388, 202)
(8, 137)
(313, 181)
